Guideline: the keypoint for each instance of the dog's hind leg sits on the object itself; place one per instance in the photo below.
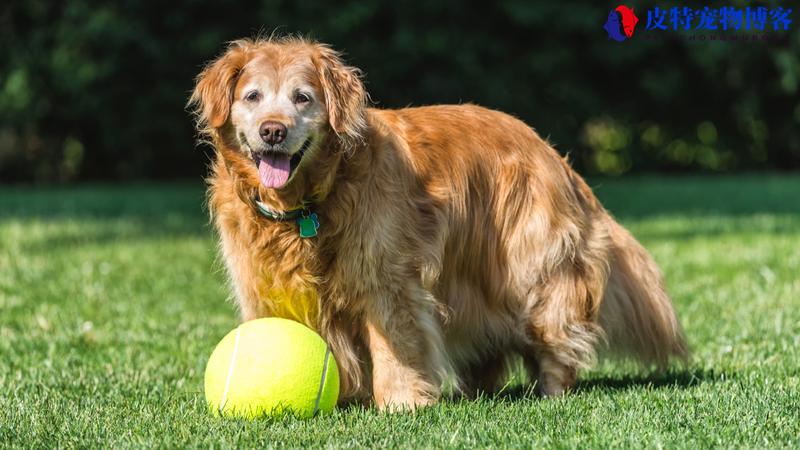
(561, 317)
(562, 327)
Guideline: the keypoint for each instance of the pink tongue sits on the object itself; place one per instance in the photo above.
(273, 170)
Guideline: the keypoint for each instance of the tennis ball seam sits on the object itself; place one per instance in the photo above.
(231, 365)
(322, 378)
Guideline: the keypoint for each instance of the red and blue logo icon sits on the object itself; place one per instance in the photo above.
(621, 23)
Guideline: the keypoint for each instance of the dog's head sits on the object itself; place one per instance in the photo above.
(279, 101)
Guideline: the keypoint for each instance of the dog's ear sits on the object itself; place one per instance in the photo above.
(345, 96)
(213, 92)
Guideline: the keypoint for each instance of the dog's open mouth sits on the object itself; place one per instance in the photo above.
(276, 168)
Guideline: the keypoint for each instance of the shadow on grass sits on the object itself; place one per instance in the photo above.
(640, 197)
(677, 379)
(100, 215)
(670, 380)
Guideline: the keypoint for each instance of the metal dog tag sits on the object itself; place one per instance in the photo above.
(308, 225)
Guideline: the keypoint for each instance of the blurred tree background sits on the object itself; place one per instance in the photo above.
(95, 90)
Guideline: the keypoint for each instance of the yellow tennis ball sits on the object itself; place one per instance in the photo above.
(271, 366)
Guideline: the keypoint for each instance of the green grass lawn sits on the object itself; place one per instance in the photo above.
(111, 300)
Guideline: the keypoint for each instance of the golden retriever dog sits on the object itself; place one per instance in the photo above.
(424, 244)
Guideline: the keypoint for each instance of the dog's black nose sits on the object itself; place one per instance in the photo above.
(272, 132)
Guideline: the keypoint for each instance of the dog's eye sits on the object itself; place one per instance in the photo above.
(301, 98)
(252, 96)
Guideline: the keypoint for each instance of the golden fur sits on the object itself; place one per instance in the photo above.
(451, 237)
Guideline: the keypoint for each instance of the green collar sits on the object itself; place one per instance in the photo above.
(307, 220)
(280, 216)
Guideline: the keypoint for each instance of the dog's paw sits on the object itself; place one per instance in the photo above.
(555, 379)
(404, 402)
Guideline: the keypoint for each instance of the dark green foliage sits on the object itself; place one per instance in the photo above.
(96, 90)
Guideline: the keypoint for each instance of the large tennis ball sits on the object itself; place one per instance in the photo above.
(271, 366)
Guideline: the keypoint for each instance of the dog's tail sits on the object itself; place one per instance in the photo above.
(636, 313)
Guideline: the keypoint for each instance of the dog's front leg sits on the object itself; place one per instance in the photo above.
(404, 341)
